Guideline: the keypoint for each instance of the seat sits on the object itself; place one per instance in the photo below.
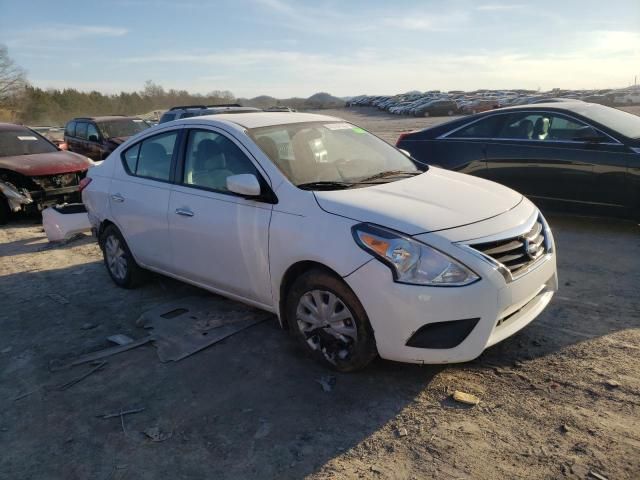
(525, 129)
(154, 161)
(208, 168)
(270, 148)
(541, 128)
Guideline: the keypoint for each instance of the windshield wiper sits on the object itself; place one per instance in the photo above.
(389, 173)
(325, 185)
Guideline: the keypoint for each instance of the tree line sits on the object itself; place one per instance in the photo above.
(23, 103)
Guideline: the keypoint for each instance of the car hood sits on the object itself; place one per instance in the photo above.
(436, 200)
(52, 163)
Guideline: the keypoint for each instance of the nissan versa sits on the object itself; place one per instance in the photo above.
(357, 251)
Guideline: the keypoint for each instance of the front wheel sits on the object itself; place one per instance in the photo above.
(328, 319)
(122, 268)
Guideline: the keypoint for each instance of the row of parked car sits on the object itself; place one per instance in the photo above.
(436, 103)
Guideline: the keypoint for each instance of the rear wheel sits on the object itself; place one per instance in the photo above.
(328, 319)
(122, 268)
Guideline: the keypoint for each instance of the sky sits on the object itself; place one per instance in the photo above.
(289, 48)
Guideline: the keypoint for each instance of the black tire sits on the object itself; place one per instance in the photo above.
(5, 211)
(349, 356)
(132, 274)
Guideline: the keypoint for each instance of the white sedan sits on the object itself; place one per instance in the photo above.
(354, 248)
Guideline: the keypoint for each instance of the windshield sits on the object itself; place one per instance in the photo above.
(122, 128)
(623, 122)
(22, 141)
(329, 152)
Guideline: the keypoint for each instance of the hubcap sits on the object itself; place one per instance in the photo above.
(116, 259)
(327, 324)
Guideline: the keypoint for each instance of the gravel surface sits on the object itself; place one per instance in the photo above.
(559, 399)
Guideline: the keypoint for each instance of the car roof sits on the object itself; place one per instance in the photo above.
(103, 118)
(265, 119)
(581, 108)
(11, 126)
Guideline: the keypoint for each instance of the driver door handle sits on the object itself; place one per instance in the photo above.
(116, 197)
(185, 212)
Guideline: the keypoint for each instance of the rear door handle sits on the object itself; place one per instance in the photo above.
(116, 197)
(185, 212)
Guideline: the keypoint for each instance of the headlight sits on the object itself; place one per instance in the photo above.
(411, 261)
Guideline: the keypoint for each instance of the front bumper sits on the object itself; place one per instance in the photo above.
(396, 311)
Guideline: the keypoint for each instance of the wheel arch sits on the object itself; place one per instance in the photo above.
(291, 274)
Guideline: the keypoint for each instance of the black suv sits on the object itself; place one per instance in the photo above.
(186, 111)
(97, 137)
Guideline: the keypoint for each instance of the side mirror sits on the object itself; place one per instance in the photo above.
(93, 138)
(244, 184)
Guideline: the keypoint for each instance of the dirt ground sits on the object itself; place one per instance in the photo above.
(561, 399)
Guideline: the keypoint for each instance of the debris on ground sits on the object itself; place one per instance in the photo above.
(107, 352)
(88, 326)
(327, 382)
(263, 430)
(120, 339)
(596, 475)
(6, 349)
(121, 413)
(611, 384)
(402, 432)
(564, 428)
(98, 366)
(465, 398)
(156, 435)
(188, 325)
(56, 297)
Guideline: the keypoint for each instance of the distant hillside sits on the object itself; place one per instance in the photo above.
(315, 101)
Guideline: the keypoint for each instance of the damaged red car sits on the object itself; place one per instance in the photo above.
(34, 173)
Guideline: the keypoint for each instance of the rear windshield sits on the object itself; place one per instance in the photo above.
(122, 128)
(23, 142)
(623, 122)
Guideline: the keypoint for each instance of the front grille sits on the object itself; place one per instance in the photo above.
(57, 181)
(517, 254)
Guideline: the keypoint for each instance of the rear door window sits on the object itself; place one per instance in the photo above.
(151, 158)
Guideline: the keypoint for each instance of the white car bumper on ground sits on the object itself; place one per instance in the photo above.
(481, 314)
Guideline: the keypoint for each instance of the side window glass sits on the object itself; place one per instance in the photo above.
(154, 157)
(567, 129)
(485, 128)
(71, 129)
(81, 130)
(131, 159)
(92, 132)
(211, 158)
